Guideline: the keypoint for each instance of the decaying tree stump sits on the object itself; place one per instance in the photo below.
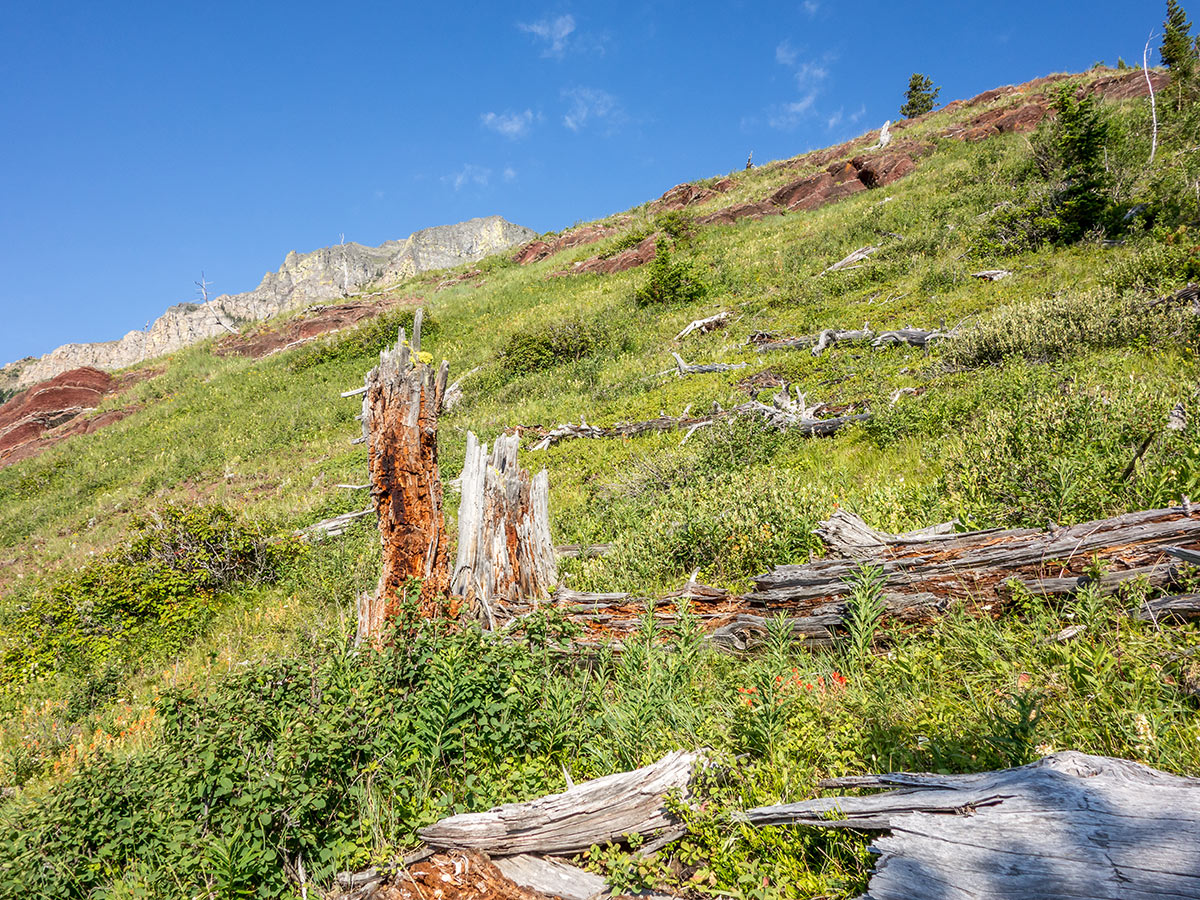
(1069, 826)
(400, 413)
(504, 549)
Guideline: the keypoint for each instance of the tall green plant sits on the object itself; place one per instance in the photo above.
(865, 607)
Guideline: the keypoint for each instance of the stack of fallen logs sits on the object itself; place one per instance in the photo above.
(924, 573)
(1068, 826)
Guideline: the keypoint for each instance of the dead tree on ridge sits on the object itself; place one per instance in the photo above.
(400, 413)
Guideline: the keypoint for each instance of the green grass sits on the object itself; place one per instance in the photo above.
(1032, 415)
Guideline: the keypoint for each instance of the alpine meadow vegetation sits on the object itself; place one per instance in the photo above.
(183, 712)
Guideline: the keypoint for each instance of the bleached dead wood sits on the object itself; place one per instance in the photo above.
(925, 572)
(858, 256)
(335, 526)
(1177, 606)
(885, 136)
(682, 368)
(782, 413)
(1067, 827)
(819, 343)
(704, 326)
(454, 393)
(552, 877)
(504, 548)
(594, 812)
(991, 274)
(399, 422)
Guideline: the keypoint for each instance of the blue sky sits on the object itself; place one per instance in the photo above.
(145, 142)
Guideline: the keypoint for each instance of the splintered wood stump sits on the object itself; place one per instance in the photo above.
(504, 549)
(1067, 827)
(400, 415)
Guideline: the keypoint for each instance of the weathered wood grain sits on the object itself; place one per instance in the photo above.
(399, 422)
(594, 812)
(504, 549)
(1070, 826)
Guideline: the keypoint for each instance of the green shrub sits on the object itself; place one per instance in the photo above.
(153, 595)
(669, 281)
(363, 341)
(676, 224)
(628, 240)
(1064, 324)
(538, 348)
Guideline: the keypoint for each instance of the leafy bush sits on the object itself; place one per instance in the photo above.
(676, 224)
(669, 281)
(1058, 451)
(364, 341)
(1064, 324)
(1159, 265)
(153, 595)
(542, 347)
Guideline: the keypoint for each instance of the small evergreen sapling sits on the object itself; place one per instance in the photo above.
(920, 96)
(1179, 51)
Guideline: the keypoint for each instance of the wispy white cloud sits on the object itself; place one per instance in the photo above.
(787, 116)
(509, 173)
(552, 33)
(470, 174)
(811, 7)
(810, 76)
(511, 125)
(591, 105)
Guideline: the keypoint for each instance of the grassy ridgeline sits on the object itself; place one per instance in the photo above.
(1031, 415)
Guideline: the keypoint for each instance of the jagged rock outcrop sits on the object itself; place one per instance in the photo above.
(27, 417)
(319, 276)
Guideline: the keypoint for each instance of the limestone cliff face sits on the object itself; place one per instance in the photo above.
(303, 279)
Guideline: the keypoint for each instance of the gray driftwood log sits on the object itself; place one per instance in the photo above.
(594, 812)
(817, 344)
(1067, 827)
(783, 412)
(505, 552)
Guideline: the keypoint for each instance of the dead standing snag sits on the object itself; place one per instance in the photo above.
(400, 415)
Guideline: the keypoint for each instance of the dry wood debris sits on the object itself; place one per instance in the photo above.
(704, 326)
(1066, 827)
(594, 812)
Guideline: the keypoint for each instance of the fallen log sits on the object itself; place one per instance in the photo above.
(819, 343)
(682, 368)
(399, 422)
(1178, 606)
(851, 260)
(603, 810)
(991, 274)
(925, 571)
(1069, 826)
(704, 326)
(335, 526)
(504, 549)
(551, 876)
(783, 413)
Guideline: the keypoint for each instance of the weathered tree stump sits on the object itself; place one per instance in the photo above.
(504, 549)
(400, 414)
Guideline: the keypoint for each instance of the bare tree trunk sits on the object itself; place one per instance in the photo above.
(400, 413)
(504, 549)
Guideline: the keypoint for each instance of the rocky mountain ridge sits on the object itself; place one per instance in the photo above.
(319, 276)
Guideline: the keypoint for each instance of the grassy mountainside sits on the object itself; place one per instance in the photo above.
(182, 715)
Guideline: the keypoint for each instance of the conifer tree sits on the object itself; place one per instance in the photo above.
(920, 96)
(1179, 51)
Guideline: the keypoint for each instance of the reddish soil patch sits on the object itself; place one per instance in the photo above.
(626, 259)
(47, 413)
(576, 237)
(318, 321)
